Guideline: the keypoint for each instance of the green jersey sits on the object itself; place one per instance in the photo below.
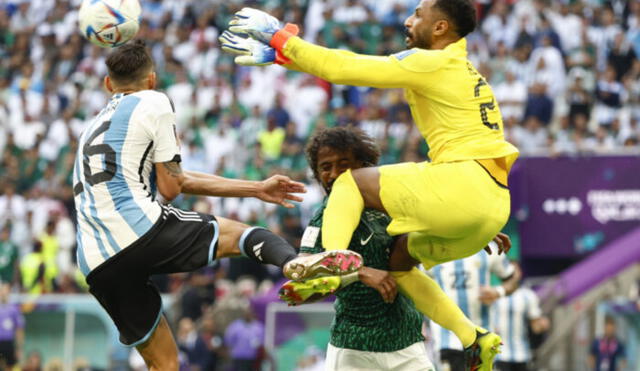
(363, 320)
(8, 258)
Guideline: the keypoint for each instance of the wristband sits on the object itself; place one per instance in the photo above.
(501, 291)
(280, 38)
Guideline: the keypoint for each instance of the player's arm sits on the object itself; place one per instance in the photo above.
(508, 272)
(342, 67)
(172, 181)
(405, 70)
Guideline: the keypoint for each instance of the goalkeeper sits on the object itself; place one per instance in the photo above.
(452, 206)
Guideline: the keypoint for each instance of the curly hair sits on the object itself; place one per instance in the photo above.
(462, 12)
(342, 139)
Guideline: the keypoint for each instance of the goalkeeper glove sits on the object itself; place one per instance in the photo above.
(264, 28)
(256, 23)
(250, 52)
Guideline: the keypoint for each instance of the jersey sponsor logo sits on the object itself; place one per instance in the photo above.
(309, 237)
(366, 241)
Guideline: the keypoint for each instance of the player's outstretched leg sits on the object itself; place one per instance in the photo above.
(264, 247)
(256, 243)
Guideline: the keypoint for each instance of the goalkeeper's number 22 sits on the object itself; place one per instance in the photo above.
(485, 106)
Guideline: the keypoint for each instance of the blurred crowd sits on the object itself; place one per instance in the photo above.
(565, 73)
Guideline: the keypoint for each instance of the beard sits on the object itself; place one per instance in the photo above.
(415, 41)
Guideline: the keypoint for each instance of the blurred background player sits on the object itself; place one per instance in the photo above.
(468, 282)
(513, 316)
(125, 235)
(608, 352)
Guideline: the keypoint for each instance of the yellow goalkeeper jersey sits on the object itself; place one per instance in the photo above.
(451, 103)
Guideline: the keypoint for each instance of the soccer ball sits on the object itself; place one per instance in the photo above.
(109, 23)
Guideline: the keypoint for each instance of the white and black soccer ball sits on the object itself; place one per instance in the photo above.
(109, 23)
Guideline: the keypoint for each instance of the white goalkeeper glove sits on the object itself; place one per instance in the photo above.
(255, 23)
(250, 52)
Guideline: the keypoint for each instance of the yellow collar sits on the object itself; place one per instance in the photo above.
(458, 47)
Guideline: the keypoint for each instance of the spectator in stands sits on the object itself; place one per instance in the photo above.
(189, 342)
(271, 139)
(607, 353)
(9, 267)
(547, 66)
(50, 247)
(37, 276)
(211, 337)
(578, 98)
(12, 204)
(11, 330)
(512, 95)
(278, 113)
(198, 294)
(244, 337)
(610, 96)
(582, 136)
(532, 138)
(539, 103)
(621, 56)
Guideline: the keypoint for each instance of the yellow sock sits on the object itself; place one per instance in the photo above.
(431, 301)
(342, 214)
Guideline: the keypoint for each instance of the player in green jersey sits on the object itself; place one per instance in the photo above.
(330, 153)
(369, 331)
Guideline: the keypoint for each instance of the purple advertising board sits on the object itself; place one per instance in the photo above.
(568, 207)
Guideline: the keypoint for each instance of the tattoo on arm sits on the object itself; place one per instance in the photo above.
(173, 168)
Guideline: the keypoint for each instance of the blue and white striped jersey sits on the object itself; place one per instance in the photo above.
(114, 177)
(511, 315)
(461, 281)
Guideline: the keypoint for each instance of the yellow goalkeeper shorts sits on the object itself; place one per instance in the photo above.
(450, 210)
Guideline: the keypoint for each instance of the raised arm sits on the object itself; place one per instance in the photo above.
(334, 65)
(341, 67)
